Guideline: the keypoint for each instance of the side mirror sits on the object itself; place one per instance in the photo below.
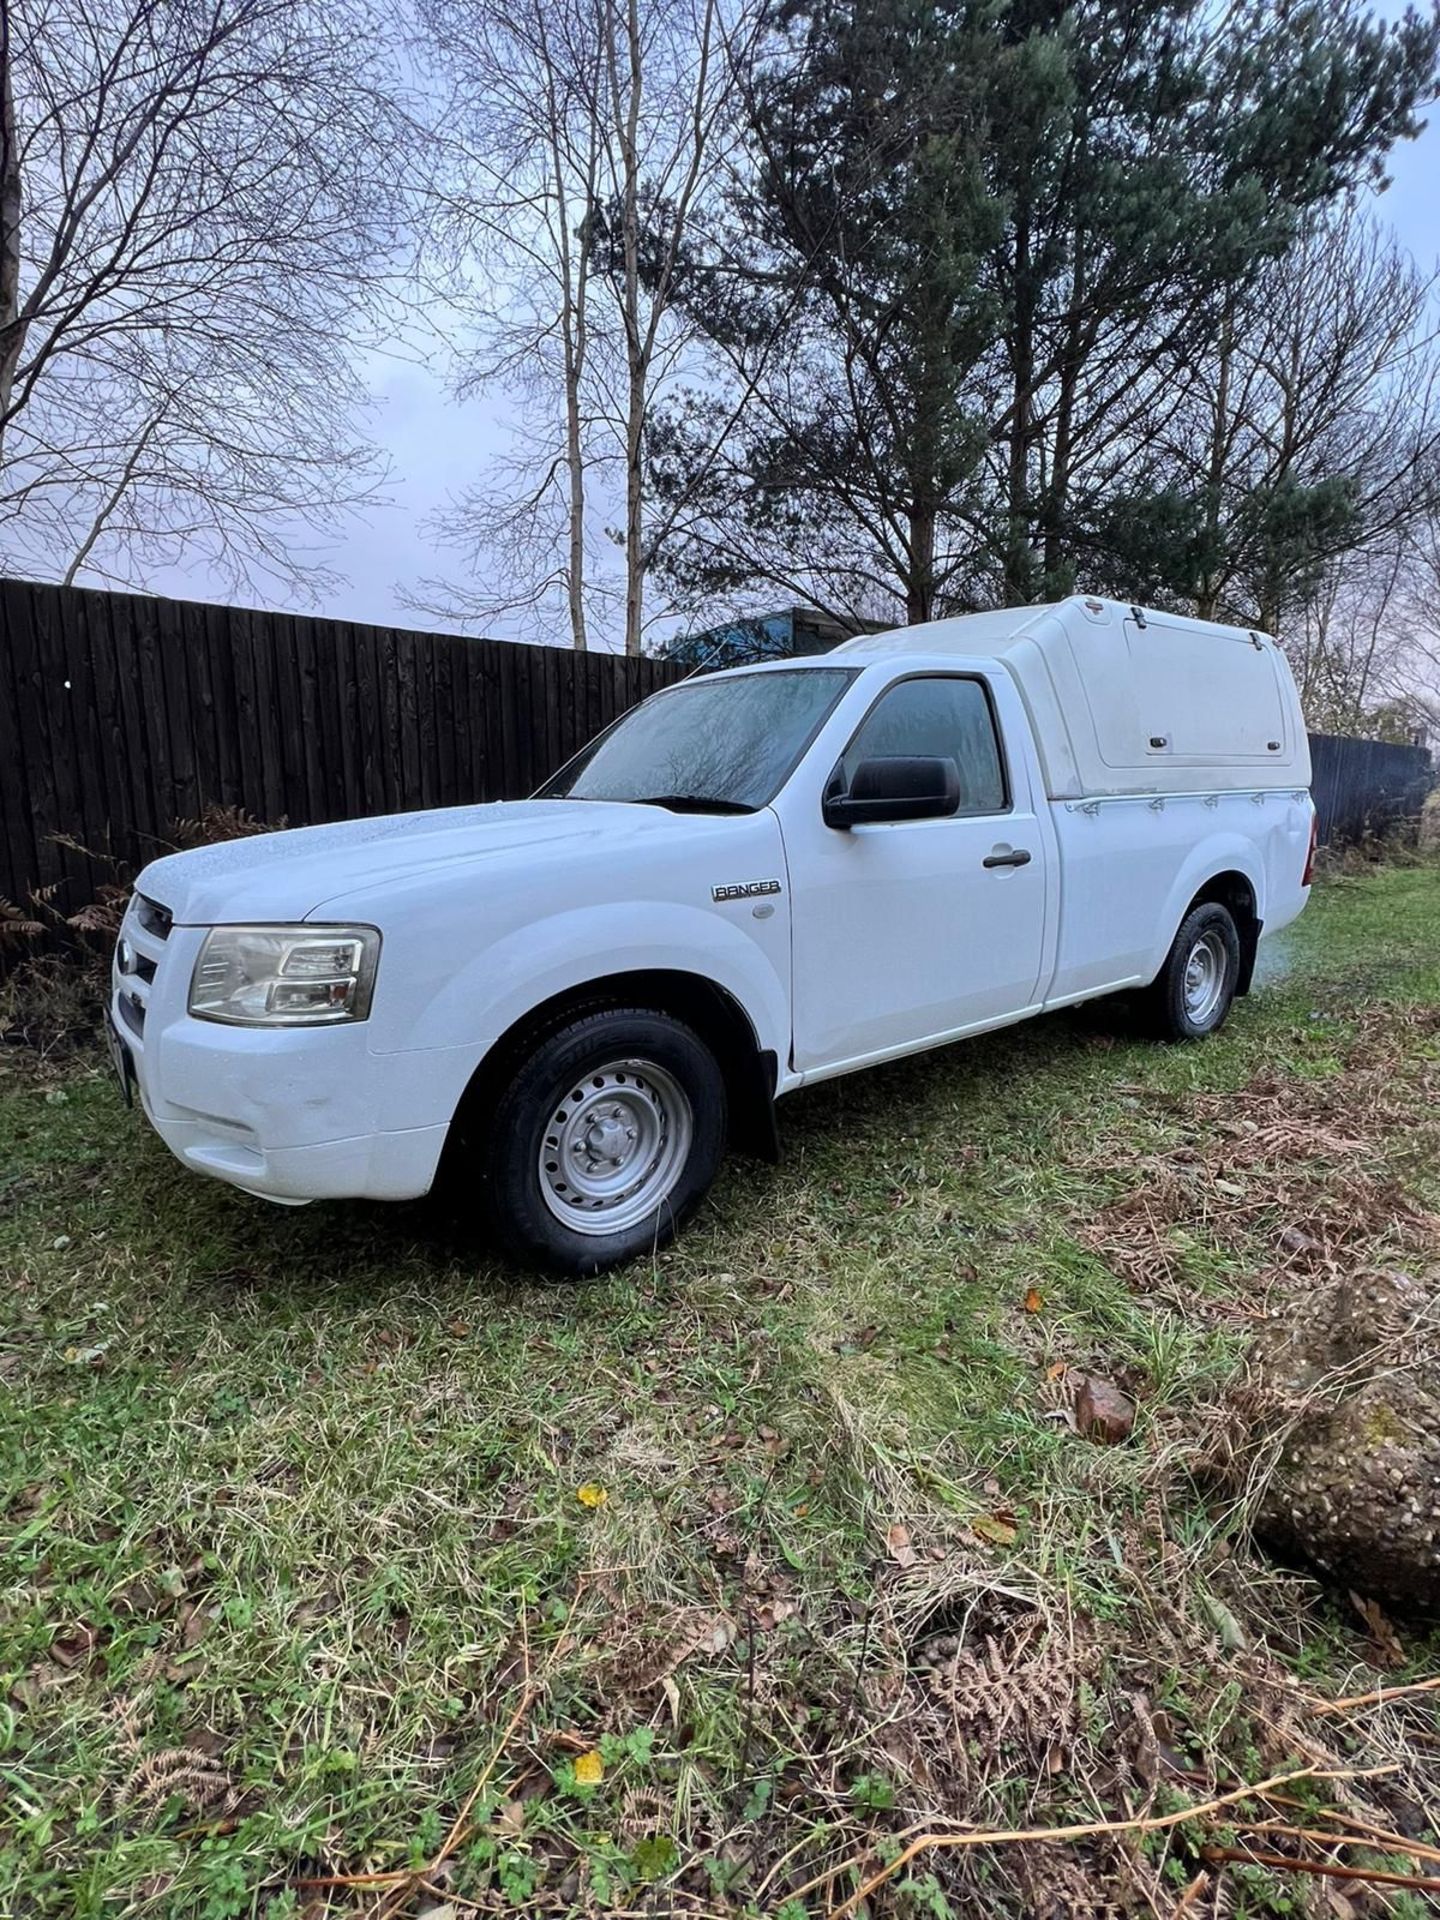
(895, 787)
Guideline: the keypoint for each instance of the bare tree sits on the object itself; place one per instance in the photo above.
(584, 138)
(1417, 627)
(520, 170)
(1366, 649)
(203, 206)
(659, 153)
(1312, 429)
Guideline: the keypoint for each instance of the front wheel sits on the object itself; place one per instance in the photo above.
(609, 1134)
(1194, 989)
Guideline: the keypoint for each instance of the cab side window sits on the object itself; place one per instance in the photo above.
(943, 717)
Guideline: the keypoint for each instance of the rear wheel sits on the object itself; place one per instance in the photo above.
(606, 1138)
(1194, 989)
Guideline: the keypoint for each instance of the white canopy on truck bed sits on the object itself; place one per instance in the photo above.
(1124, 700)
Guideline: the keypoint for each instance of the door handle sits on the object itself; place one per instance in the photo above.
(1019, 858)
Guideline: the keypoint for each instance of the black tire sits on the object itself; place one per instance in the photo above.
(1171, 1001)
(524, 1203)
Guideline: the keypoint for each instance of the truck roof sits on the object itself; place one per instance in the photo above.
(963, 633)
(988, 632)
(1128, 700)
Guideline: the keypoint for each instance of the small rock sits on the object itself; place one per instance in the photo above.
(1292, 1240)
(60, 1243)
(1102, 1411)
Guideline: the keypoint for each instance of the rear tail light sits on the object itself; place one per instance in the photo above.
(1309, 873)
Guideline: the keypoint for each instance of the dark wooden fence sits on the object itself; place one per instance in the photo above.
(1363, 787)
(121, 714)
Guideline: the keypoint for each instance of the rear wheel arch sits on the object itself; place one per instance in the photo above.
(1193, 991)
(712, 1014)
(1234, 891)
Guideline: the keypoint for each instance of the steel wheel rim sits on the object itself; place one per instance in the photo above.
(1205, 972)
(614, 1146)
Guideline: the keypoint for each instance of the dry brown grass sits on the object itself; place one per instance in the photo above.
(1303, 1168)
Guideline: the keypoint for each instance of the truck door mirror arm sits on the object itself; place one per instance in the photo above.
(892, 787)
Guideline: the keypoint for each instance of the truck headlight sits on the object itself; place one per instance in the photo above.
(285, 976)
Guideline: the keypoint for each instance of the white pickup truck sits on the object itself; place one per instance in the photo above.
(751, 882)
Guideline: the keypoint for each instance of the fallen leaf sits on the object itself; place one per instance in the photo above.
(30, 1687)
(510, 1816)
(592, 1494)
(589, 1769)
(195, 1620)
(773, 1613)
(716, 1638)
(998, 1528)
(897, 1542)
(1389, 1649)
(74, 1646)
(1222, 1618)
(1034, 1300)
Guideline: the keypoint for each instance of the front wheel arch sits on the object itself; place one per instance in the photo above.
(714, 1015)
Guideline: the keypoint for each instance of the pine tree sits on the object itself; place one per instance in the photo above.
(977, 252)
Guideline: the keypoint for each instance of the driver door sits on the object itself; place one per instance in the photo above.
(909, 932)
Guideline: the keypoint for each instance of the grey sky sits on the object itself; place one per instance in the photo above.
(435, 444)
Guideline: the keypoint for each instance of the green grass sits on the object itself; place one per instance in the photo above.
(294, 1552)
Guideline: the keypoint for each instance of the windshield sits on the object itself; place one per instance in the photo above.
(713, 746)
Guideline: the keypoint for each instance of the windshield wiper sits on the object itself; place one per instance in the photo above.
(691, 803)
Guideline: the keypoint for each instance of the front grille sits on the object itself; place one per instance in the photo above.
(155, 919)
(139, 963)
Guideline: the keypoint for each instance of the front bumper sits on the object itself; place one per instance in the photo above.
(377, 1166)
(298, 1114)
